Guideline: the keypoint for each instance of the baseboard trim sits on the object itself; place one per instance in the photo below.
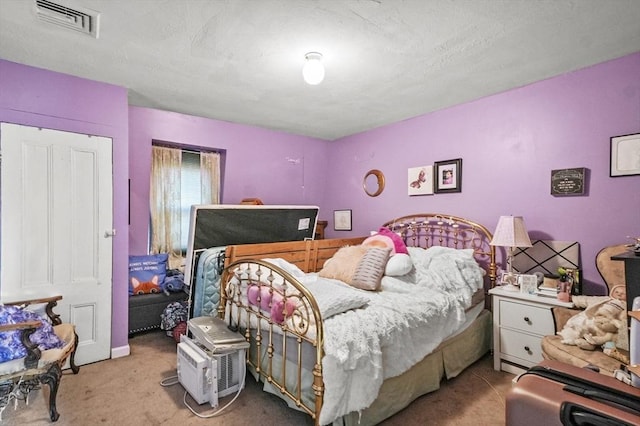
(120, 352)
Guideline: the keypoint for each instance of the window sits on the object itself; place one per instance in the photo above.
(179, 179)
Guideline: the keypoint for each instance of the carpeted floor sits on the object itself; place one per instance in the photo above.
(128, 391)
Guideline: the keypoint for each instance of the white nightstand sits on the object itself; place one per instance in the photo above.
(519, 322)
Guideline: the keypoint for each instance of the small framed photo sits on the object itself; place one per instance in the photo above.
(507, 278)
(528, 283)
(420, 180)
(625, 155)
(448, 176)
(342, 220)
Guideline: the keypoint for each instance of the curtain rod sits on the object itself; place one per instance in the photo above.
(183, 149)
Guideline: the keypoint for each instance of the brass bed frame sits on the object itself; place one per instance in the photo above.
(301, 336)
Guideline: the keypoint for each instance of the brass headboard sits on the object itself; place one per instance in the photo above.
(435, 229)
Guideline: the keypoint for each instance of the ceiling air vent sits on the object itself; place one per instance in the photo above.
(79, 19)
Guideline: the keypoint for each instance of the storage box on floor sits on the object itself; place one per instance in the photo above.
(145, 310)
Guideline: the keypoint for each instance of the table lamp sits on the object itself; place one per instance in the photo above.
(511, 233)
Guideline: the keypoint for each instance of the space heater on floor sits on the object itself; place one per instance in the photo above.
(207, 376)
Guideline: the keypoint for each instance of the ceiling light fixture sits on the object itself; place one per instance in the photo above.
(313, 70)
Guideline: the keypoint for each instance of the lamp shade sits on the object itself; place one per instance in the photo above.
(511, 232)
(313, 70)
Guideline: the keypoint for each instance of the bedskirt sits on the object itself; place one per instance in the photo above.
(447, 361)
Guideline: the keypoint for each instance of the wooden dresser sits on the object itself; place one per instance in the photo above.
(322, 224)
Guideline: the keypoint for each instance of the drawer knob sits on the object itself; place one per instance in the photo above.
(526, 348)
(527, 320)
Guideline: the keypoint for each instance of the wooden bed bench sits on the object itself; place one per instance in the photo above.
(307, 255)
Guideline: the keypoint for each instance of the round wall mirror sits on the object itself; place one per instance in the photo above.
(373, 183)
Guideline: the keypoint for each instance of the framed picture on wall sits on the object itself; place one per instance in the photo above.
(448, 176)
(342, 220)
(420, 180)
(625, 155)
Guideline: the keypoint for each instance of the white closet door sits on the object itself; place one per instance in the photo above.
(56, 197)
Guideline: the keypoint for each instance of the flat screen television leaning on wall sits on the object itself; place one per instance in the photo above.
(221, 225)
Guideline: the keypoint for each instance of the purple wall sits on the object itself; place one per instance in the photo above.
(36, 97)
(509, 144)
(257, 163)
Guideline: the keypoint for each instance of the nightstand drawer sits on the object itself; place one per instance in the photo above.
(528, 318)
(523, 346)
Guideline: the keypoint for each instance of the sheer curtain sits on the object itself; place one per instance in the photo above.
(166, 164)
(166, 202)
(210, 177)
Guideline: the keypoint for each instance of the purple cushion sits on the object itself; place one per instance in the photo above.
(271, 301)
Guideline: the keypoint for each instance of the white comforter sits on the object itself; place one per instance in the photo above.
(401, 324)
(397, 327)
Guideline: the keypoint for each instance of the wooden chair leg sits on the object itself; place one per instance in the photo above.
(72, 357)
(52, 379)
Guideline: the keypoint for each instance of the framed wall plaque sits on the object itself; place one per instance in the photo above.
(625, 155)
(568, 181)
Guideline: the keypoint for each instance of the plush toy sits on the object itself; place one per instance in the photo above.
(602, 330)
(597, 324)
(399, 262)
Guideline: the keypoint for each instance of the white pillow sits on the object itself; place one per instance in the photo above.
(398, 265)
(334, 297)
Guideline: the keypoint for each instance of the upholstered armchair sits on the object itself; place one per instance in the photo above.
(612, 273)
(21, 375)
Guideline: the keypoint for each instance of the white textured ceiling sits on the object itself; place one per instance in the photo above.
(386, 60)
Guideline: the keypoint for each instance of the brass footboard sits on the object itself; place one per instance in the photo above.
(275, 311)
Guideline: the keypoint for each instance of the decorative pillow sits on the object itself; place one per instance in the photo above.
(262, 292)
(147, 273)
(371, 269)
(399, 245)
(10, 345)
(359, 266)
(398, 265)
(342, 265)
(281, 310)
(272, 301)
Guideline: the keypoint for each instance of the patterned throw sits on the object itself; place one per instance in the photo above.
(10, 345)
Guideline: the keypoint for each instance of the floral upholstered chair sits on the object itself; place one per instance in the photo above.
(33, 350)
